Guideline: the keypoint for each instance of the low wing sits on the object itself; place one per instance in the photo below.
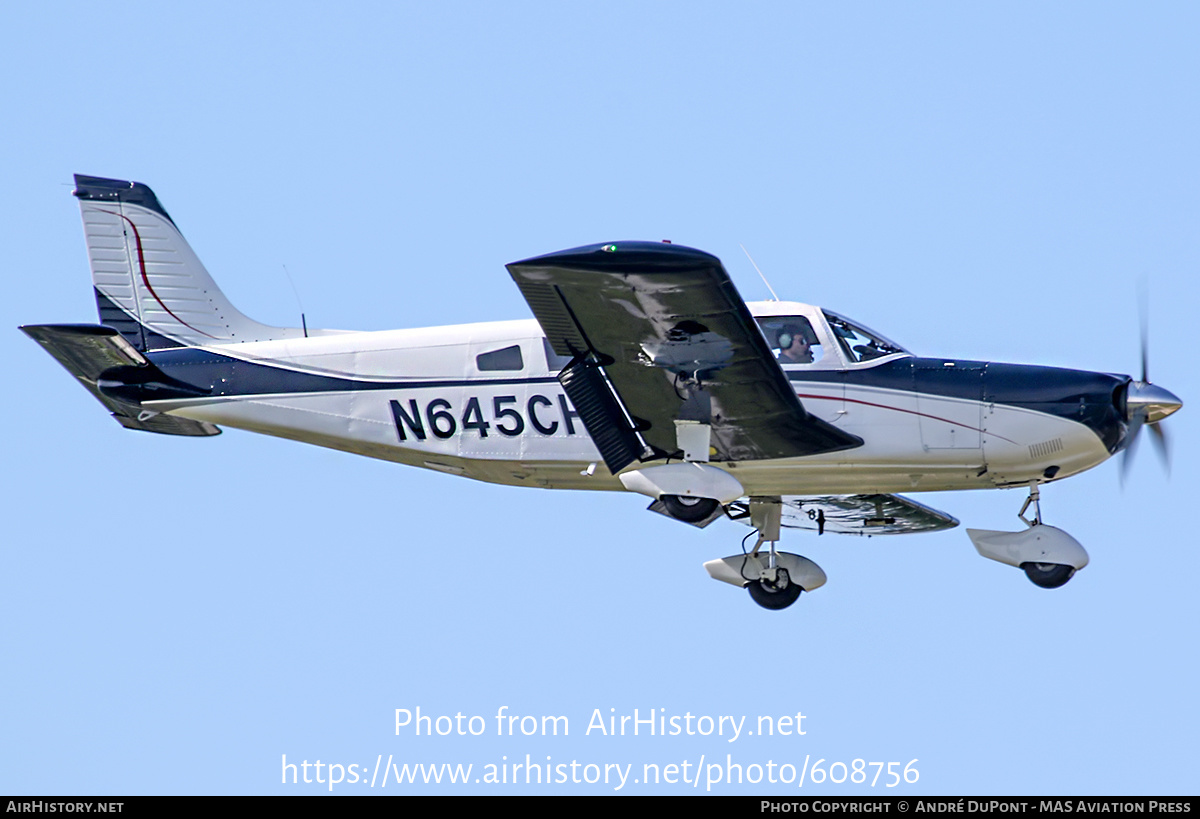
(658, 334)
(855, 514)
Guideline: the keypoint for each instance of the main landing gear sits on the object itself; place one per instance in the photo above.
(773, 589)
(1048, 555)
(694, 492)
(689, 509)
(774, 579)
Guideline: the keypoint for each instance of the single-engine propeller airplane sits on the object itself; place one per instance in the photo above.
(642, 357)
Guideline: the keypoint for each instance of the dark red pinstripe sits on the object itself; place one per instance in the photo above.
(910, 412)
(146, 279)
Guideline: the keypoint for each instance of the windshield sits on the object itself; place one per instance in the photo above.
(859, 343)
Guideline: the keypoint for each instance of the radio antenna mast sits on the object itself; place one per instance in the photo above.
(760, 273)
(296, 293)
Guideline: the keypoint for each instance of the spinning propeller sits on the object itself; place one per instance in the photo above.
(1147, 404)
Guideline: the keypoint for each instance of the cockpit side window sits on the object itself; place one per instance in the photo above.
(792, 339)
(858, 343)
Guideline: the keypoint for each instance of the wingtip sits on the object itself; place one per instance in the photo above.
(631, 256)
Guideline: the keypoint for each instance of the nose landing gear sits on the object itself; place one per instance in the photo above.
(1048, 555)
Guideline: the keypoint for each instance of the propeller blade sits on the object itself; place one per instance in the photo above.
(1144, 324)
(1146, 403)
(1159, 436)
(1131, 436)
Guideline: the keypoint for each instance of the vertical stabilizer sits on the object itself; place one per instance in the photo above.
(149, 284)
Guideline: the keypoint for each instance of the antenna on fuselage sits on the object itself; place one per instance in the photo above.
(760, 273)
(300, 304)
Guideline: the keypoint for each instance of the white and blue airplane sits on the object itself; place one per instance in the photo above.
(643, 370)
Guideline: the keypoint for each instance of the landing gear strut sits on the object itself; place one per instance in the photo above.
(1035, 498)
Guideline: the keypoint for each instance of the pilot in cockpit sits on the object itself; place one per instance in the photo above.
(794, 346)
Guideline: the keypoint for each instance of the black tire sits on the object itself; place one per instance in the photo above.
(689, 509)
(1048, 575)
(774, 599)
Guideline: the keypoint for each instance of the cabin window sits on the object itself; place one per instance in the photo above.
(792, 339)
(508, 358)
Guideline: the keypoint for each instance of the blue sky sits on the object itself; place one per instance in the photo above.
(987, 183)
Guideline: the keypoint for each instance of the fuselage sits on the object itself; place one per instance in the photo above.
(484, 401)
(642, 370)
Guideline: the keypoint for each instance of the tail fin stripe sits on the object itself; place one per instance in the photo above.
(146, 279)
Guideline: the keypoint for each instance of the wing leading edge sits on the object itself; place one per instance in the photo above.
(658, 335)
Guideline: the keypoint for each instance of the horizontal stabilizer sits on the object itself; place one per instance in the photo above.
(86, 350)
(90, 351)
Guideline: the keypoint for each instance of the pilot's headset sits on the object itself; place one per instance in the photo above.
(787, 336)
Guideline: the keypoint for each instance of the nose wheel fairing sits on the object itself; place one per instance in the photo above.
(1039, 545)
(1048, 555)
